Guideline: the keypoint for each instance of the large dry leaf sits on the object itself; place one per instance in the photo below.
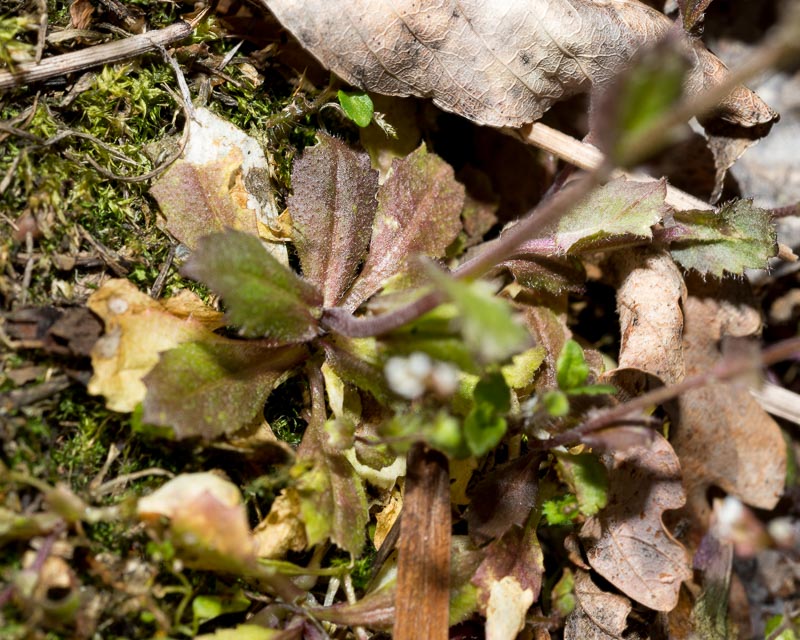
(599, 615)
(722, 435)
(499, 63)
(332, 210)
(650, 300)
(627, 542)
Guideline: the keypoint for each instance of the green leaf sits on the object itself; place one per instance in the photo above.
(586, 477)
(207, 389)
(355, 360)
(593, 390)
(262, 296)
(645, 93)
(556, 403)
(333, 501)
(419, 213)
(444, 433)
(616, 213)
(332, 211)
(483, 429)
(357, 105)
(739, 236)
(485, 424)
(207, 607)
(244, 632)
(432, 334)
(493, 391)
(561, 511)
(563, 594)
(522, 370)
(486, 321)
(572, 371)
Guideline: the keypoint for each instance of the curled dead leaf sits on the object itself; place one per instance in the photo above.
(599, 615)
(650, 300)
(221, 181)
(627, 542)
(282, 530)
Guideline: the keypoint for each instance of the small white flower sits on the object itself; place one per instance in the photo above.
(444, 378)
(411, 376)
(407, 377)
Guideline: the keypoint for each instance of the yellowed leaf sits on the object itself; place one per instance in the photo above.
(282, 530)
(207, 521)
(222, 180)
(138, 329)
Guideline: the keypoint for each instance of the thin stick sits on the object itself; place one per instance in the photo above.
(29, 72)
(588, 157)
(422, 603)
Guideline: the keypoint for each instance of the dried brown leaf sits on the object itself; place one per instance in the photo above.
(282, 530)
(517, 483)
(503, 67)
(516, 555)
(627, 542)
(598, 615)
(138, 330)
(207, 521)
(723, 437)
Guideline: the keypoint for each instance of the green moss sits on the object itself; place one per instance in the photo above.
(17, 38)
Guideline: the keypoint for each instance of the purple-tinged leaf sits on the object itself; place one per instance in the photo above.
(262, 297)
(356, 362)
(739, 236)
(549, 274)
(621, 211)
(374, 611)
(333, 502)
(208, 389)
(419, 213)
(332, 211)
